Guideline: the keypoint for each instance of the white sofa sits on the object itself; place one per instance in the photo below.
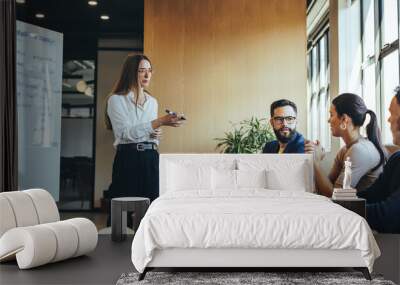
(31, 231)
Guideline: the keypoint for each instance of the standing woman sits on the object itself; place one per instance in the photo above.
(131, 112)
(347, 115)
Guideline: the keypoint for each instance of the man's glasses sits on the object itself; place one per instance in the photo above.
(289, 120)
(144, 70)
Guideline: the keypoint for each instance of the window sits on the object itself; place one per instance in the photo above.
(368, 55)
(380, 67)
(318, 89)
(388, 59)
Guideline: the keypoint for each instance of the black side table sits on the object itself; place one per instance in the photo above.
(119, 209)
(357, 205)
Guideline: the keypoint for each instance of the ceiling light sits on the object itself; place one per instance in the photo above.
(92, 3)
(105, 17)
(39, 15)
(20, 1)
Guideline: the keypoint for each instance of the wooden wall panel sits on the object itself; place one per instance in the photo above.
(224, 60)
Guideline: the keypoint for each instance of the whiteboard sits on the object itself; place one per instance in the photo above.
(39, 89)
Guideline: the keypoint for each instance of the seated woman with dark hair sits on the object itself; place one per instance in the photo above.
(347, 115)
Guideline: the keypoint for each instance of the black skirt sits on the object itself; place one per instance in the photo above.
(135, 173)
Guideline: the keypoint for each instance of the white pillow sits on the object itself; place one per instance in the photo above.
(182, 177)
(251, 178)
(223, 179)
(294, 179)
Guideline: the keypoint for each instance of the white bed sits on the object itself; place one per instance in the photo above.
(228, 219)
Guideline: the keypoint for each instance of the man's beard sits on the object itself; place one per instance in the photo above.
(284, 138)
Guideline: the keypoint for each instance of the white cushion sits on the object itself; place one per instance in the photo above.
(267, 161)
(289, 173)
(294, 180)
(223, 179)
(33, 246)
(87, 235)
(183, 177)
(67, 240)
(191, 161)
(281, 162)
(7, 218)
(26, 208)
(23, 208)
(251, 178)
(45, 205)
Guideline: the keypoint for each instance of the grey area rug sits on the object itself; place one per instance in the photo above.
(229, 278)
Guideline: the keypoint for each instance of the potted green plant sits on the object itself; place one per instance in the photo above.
(248, 136)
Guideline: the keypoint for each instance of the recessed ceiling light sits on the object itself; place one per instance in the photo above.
(39, 15)
(20, 1)
(105, 17)
(92, 3)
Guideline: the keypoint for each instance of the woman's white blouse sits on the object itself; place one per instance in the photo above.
(131, 124)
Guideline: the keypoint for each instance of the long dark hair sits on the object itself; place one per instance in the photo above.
(353, 106)
(126, 81)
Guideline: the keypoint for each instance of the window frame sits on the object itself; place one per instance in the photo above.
(381, 51)
(318, 127)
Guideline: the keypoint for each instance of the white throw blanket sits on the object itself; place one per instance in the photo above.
(251, 218)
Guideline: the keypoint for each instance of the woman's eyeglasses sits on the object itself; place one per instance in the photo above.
(144, 70)
(289, 120)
